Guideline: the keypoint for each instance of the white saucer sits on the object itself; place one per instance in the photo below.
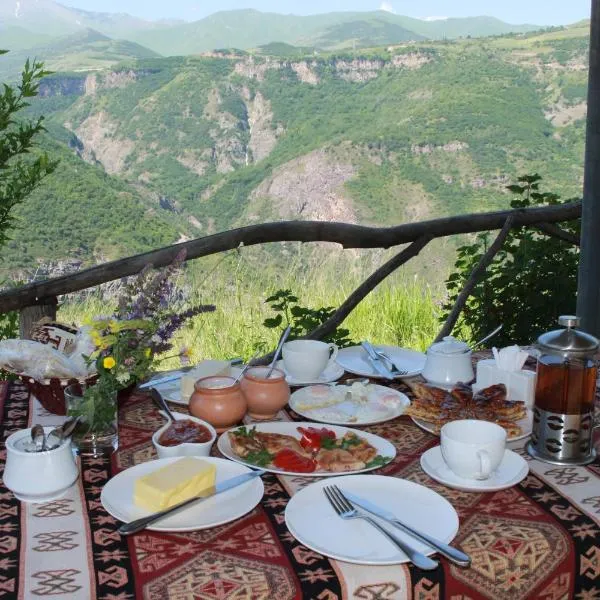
(332, 372)
(512, 470)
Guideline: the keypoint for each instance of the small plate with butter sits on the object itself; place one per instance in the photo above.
(180, 390)
(149, 487)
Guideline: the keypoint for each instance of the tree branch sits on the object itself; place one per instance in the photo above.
(477, 272)
(555, 231)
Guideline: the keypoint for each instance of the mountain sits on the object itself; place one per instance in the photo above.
(382, 135)
(249, 28)
(84, 50)
(243, 29)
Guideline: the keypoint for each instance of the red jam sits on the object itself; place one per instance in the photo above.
(184, 431)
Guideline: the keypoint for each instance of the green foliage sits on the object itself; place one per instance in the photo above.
(19, 176)
(303, 320)
(532, 280)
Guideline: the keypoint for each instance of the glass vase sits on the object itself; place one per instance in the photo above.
(96, 433)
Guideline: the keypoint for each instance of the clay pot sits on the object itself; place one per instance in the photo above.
(265, 397)
(218, 400)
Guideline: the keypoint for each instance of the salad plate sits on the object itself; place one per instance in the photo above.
(355, 541)
(117, 498)
(297, 448)
(357, 404)
(355, 360)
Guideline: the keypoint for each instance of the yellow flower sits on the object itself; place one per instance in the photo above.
(114, 326)
(148, 352)
(108, 362)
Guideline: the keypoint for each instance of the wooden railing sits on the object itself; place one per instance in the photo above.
(40, 298)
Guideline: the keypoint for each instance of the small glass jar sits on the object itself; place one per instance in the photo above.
(219, 401)
(265, 396)
(96, 434)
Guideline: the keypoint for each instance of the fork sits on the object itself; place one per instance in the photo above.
(395, 370)
(346, 510)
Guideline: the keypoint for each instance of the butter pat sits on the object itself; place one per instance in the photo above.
(520, 385)
(173, 484)
(206, 368)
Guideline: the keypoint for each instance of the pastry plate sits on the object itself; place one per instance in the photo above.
(313, 522)
(332, 372)
(117, 498)
(512, 470)
(384, 448)
(526, 425)
(355, 360)
(380, 404)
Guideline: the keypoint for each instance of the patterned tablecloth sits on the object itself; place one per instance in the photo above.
(539, 539)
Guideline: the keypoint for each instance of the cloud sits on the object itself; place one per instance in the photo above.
(386, 6)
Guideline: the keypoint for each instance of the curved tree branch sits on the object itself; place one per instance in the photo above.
(555, 231)
(477, 272)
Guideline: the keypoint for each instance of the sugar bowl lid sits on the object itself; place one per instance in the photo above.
(568, 341)
(449, 345)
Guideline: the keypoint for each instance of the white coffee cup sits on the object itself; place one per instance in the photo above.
(305, 360)
(473, 449)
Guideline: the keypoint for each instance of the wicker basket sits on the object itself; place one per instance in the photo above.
(51, 392)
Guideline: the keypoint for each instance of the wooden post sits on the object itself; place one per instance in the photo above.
(588, 287)
(30, 315)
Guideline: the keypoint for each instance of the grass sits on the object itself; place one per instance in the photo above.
(401, 311)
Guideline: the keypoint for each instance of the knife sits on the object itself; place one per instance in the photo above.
(219, 488)
(376, 361)
(179, 375)
(456, 556)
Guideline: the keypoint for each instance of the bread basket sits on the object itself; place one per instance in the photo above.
(51, 392)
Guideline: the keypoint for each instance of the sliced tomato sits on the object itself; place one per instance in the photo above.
(290, 460)
(311, 437)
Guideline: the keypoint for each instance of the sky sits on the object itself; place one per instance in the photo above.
(538, 12)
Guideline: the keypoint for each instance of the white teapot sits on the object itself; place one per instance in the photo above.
(448, 362)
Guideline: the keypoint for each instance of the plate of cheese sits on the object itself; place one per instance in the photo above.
(356, 404)
(158, 484)
(180, 390)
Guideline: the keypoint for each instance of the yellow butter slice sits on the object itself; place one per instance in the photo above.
(174, 483)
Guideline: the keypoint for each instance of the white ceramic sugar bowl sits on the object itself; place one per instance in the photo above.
(448, 362)
(38, 476)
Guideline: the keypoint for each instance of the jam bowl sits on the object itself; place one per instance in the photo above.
(187, 436)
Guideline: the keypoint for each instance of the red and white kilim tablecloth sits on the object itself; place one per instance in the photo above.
(539, 539)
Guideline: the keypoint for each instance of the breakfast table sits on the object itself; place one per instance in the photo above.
(538, 539)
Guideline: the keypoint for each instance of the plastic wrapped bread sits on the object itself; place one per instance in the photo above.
(40, 361)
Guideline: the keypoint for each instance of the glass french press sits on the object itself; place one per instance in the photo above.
(565, 391)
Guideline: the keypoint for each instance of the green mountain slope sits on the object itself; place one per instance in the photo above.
(82, 51)
(376, 136)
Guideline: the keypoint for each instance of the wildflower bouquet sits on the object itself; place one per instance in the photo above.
(128, 343)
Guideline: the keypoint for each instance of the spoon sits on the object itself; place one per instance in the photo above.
(62, 433)
(487, 337)
(162, 404)
(38, 437)
(246, 367)
(284, 336)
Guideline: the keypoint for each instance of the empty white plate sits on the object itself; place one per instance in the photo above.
(355, 360)
(313, 522)
(512, 470)
(117, 498)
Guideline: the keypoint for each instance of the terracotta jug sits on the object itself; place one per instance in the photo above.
(218, 400)
(265, 397)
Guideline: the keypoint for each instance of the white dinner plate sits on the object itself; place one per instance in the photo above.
(332, 372)
(117, 498)
(526, 425)
(383, 447)
(313, 522)
(383, 404)
(355, 360)
(512, 470)
(171, 390)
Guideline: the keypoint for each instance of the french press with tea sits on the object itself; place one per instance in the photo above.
(565, 390)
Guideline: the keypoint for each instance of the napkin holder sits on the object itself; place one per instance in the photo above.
(520, 385)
